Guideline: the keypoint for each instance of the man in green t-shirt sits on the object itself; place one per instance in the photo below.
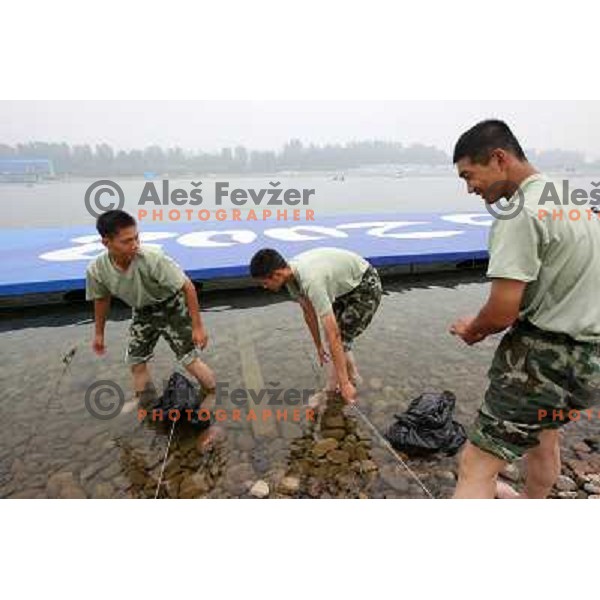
(163, 299)
(338, 290)
(545, 273)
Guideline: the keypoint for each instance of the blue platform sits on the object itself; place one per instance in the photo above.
(54, 260)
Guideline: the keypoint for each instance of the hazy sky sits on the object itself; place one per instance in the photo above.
(210, 125)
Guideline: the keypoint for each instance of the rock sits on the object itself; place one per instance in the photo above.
(361, 453)
(375, 383)
(565, 484)
(339, 457)
(241, 472)
(193, 486)
(368, 466)
(333, 421)
(567, 495)
(322, 447)
(591, 488)
(246, 443)
(260, 489)
(362, 496)
(338, 434)
(581, 447)
(289, 485)
(17, 467)
(112, 470)
(594, 497)
(71, 491)
(104, 491)
(390, 474)
(511, 472)
(446, 477)
(28, 494)
(138, 478)
(594, 479)
(57, 481)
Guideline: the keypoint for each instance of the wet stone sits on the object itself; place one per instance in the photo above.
(565, 484)
(103, 491)
(260, 489)
(339, 457)
(338, 434)
(289, 485)
(322, 447)
(391, 476)
(333, 422)
(193, 486)
(591, 488)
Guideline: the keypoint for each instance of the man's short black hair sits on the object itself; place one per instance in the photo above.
(482, 139)
(265, 261)
(112, 221)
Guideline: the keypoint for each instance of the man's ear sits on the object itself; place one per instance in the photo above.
(501, 157)
(105, 241)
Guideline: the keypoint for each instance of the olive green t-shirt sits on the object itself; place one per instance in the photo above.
(324, 274)
(558, 258)
(151, 277)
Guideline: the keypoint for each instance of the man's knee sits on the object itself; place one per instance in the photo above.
(475, 463)
(548, 447)
(139, 368)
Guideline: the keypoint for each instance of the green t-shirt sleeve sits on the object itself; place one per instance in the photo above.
(514, 248)
(94, 288)
(168, 273)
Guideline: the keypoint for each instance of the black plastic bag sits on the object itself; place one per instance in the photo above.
(180, 394)
(427, 426)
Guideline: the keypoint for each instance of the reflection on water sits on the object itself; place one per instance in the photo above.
(50, 445)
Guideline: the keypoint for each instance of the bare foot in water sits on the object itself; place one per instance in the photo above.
(504, 491)
(207, 439)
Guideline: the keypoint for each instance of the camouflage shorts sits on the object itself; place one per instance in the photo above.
(170, 319)
(354, 310)
(538, 380)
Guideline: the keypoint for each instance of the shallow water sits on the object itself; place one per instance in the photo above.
(256, 340)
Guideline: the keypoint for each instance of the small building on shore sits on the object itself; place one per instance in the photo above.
(26, 170)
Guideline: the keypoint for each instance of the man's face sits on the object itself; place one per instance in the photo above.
(273, 282)
(487, 181)
(125, 244)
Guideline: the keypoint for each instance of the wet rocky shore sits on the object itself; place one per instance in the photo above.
(52, 447)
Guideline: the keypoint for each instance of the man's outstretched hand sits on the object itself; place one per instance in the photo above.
(98, 345)
(462, 329)
(348, 392)
(323, 356)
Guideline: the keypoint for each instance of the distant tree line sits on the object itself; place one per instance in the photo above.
(102, 159)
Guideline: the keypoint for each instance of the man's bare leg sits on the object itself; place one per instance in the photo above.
(543, 469)
(141, 377)
(353, 369)
(142, 383)
(332, 381)
(477, 473)
(205, 376)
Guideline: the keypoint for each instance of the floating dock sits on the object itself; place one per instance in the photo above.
(45, 261)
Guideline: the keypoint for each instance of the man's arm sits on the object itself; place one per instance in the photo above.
(101, 308)
(332, 333)
(500, 311)
(310, 317)
(191, 298)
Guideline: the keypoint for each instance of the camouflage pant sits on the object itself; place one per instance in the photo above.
(538, 380)
(354, 310)
(170, 319)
